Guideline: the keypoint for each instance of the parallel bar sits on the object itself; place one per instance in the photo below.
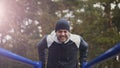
(16, 57)
(108, 54)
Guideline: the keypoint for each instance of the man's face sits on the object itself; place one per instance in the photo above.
(62, 35)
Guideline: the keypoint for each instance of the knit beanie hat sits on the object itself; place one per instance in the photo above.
(62, 24)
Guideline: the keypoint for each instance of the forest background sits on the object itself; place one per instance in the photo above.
(24, 22)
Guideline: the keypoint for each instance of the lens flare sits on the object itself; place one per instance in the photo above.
(2, 16)
(2, 11)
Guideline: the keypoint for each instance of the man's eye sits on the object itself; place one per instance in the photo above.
(60, 31)
(65, 31)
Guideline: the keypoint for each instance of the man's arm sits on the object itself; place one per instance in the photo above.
(42, 45)
(83, 51)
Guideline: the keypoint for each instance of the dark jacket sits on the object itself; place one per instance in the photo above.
(62, 55)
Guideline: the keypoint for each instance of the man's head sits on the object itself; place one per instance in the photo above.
(62, 30)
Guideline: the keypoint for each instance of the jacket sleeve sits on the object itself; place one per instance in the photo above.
(83, 51)
(42, 45)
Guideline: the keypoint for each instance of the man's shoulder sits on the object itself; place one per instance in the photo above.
(75, 38)
(74, 35)
(50, 39)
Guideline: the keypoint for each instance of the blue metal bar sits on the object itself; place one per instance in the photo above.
(108, 54)
(16, 57)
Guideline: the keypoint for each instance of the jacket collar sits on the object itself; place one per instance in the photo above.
(54, 37)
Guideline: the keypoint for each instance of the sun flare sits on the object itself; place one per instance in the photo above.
(2, 10)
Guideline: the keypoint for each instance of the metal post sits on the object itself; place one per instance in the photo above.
(38, 65)
(108, 54)
(19, 58)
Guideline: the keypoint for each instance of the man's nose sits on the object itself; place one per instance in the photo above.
(62, 33)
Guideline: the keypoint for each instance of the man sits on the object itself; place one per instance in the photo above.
(63, 48)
